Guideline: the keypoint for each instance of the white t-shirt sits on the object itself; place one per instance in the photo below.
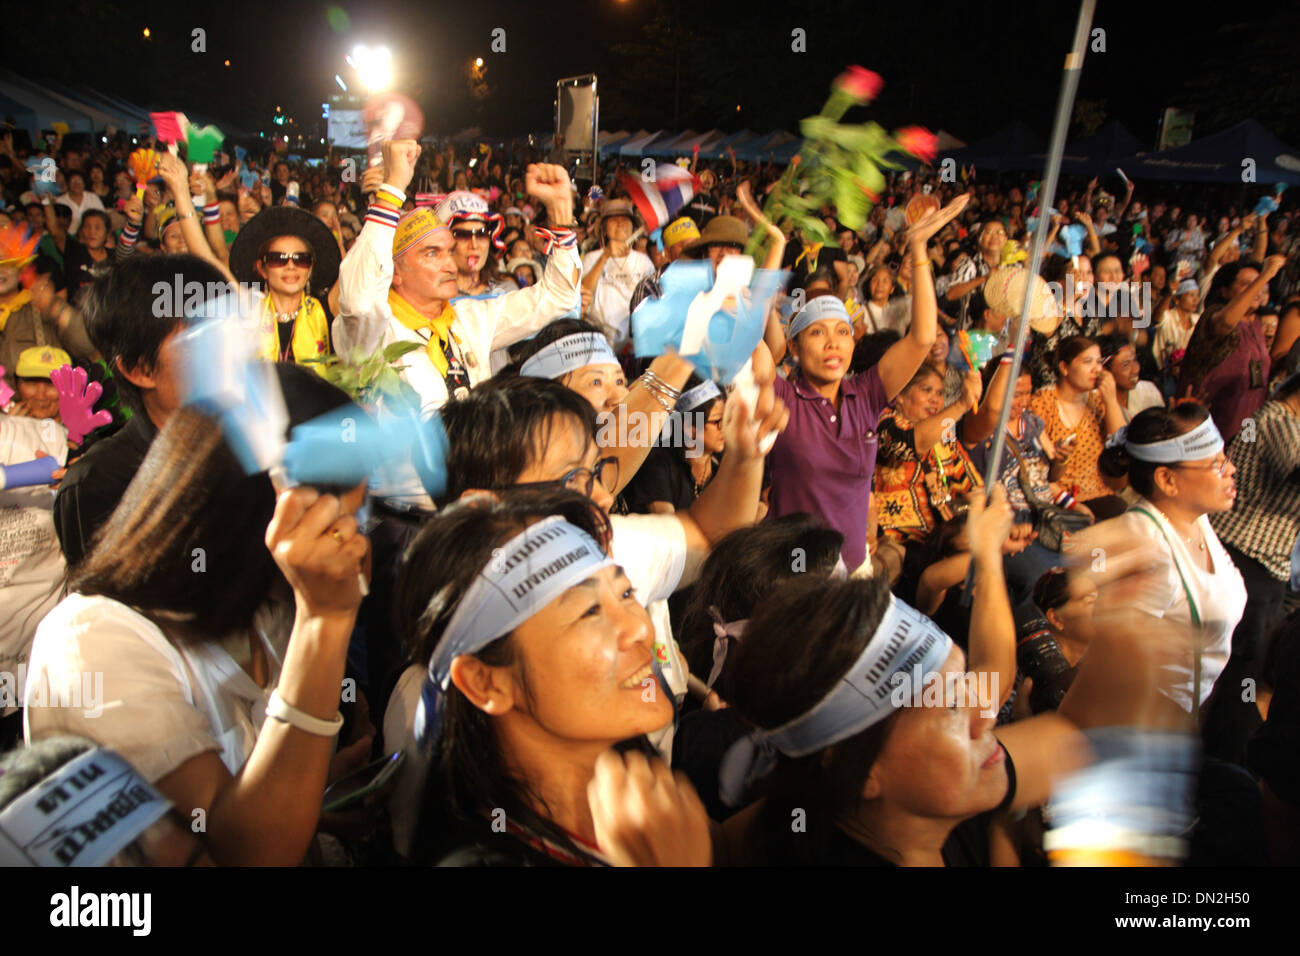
(88, 201)
(1144, 395)
(894, 315)
(1220, 597)
(103, 671)
(31, 563)
(1171, 336)
(619, 279)
(652, 552)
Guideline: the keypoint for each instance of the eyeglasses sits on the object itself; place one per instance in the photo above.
(582, 480)
(462, 235)
(278, 259)
(1222, 464)
(715, 422)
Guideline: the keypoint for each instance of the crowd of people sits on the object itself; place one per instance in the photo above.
(654, 616)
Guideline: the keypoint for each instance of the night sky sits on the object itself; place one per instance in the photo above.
(962, 66)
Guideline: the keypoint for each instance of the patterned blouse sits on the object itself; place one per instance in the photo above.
(915, 491)
(1081, 466)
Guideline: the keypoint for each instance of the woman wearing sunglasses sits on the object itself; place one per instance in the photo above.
(477, 234)
(1175, 460)
(291, 254)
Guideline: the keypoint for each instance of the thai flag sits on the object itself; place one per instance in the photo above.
(659, 200)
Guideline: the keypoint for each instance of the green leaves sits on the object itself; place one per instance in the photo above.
(370, 378)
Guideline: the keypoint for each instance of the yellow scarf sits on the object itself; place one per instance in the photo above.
(812, 252)
(440, 328)
(310, 332)
(13, 305)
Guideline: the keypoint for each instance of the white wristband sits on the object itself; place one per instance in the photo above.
(283, 712)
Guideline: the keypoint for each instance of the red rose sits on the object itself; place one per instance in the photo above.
(860, 83)
(918, 141)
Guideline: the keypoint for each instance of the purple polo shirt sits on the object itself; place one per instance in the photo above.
(824, 461)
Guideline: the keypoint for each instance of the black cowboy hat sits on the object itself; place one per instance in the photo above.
(286, 221)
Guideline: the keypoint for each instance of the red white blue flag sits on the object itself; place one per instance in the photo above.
(663, 197)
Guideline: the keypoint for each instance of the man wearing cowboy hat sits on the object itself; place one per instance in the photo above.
(723, 236)
(611, 274)
(399, 279)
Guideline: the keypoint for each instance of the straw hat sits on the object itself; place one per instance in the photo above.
(1005, 294)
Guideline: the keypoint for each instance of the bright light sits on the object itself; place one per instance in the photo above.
(374, 67)
(339, 80)
(227, 63)
(146, 33)
(478, 62)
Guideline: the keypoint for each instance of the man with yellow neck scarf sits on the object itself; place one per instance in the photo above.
(398, 284)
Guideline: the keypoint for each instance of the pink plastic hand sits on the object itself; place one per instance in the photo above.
(6, 393)
(76, 400)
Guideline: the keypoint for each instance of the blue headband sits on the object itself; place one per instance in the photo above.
(525, 574)
(82, 814)
(699, 395)
(822, 307)
(905, 640)
(568, 355)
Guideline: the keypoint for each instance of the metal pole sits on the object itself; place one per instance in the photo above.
(1064, 108)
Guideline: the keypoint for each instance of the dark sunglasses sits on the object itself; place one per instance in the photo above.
(464, 234)
(278, 259)
(581, 480)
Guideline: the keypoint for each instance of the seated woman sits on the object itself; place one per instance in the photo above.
(1051, 643)
(1081, 410)
(291, 253)
(1175, 461)
(921, 466)
(219, 618)
(685, 455)
(532, 677)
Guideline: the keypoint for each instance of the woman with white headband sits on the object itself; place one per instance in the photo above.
(824, 463)
(577, 354)
(540, 661)
(873, 740)
(1175, 460)
(685, 455)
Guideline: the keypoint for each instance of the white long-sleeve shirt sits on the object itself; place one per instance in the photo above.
(366, 319)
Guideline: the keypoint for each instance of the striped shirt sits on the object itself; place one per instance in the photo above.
(1265, 521)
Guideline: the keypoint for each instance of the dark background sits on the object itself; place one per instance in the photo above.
(968, 67)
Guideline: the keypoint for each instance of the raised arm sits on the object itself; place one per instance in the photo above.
(175, 176)
(993, 628)
(366, 272)
(268, 812)
(1227, 318)
(731, 499)
(905, 356)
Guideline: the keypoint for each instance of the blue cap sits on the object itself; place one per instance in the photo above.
(818, 309)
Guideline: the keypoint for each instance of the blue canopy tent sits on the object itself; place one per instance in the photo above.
(1094, 155)
(636, 144)
(757, 149)
(1009, 148)
(718, 150)
(46, 109)
(98, 118)
(21, 115)
(784, 154)
(118, 117)
(610, 146)
(667, 144)
(1220, 158)
(685, 145)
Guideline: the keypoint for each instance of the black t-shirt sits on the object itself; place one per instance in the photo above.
(80, 269)
(96, 482)
(663, 476)
(806, 264)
